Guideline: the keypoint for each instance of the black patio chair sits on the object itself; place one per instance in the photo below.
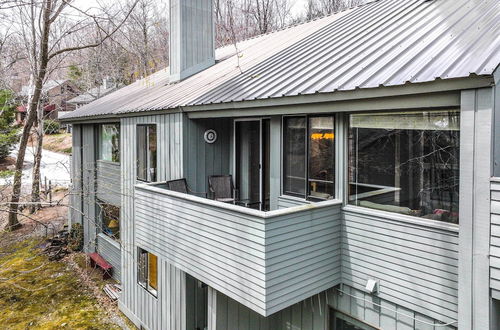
(180, 185)
(221, 188)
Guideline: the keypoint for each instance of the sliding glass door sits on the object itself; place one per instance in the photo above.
(252, 162)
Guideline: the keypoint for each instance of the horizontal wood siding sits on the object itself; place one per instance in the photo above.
(221, 248)
(495, 239)
(108, 180)
(417, 266)
(265, 264)
(302, 255)
(111, 252)
(138, 301)
(287, 201)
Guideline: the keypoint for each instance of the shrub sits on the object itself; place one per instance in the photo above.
(8, 133)
(75, 241)
(51, 126)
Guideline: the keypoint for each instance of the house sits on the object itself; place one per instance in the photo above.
(93, 94)
(363, 152)
(54, 99)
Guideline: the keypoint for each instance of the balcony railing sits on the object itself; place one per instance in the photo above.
(264, 260)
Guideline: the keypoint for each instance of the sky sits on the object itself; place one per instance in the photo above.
(298, 7)
(296, 10)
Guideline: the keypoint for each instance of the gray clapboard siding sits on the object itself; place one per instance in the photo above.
(76, 207)
(173, 297)
(135, 301)
(290, 201)
(312, 313)
(192, 37)
(417, 265)
(202, 159)
(495, 239)
(476, 113)
(108, 181)
(89, 191)
(266, 261)
(110, 250)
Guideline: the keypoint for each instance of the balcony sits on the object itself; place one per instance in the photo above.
(267, 261)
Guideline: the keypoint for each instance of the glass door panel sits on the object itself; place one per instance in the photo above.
(247, 163)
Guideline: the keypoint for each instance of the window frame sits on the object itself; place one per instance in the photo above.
(99, 142)
(372, 212)
(146, 286)
(334, 313)
(307, 196)
(148, 158)
(102, 204)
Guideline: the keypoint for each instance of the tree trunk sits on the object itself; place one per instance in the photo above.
(35, 187)
(13, 222)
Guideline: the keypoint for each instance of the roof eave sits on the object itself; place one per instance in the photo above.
(436, 86)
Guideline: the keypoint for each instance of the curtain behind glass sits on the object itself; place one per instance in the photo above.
(152, 152)
(109, 147)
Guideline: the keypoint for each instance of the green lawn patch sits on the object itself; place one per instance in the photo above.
(36, 293)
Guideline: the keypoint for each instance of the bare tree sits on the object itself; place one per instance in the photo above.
(283, 12)
(46, 45)
(263, 12)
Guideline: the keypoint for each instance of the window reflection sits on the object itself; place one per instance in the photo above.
(321, 157)
(406, 163)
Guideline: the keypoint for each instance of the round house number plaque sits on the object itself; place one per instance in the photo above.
(210, 136)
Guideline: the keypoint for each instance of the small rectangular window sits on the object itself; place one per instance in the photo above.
(341, 321)
(109, 142)
(147, 271)
(406, 163)
(309, 157)
(110, 220)
(146, 153)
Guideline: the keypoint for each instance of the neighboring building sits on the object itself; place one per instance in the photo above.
(55, 96)
(364, 150)
(93, 94)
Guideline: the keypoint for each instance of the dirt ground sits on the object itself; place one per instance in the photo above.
(36, 293)
(6, 163)
(55, 142)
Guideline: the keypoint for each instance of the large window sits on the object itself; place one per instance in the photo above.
(406, 163)
(109, 142)
(147, 272)
(110, 220)
(146, 152)
(309, 157)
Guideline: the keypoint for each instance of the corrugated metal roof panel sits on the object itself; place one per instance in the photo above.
(383, 43)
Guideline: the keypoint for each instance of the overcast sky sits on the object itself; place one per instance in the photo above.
(296, 10)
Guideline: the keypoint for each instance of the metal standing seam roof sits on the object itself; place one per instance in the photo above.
(382, 43)
(93, 94)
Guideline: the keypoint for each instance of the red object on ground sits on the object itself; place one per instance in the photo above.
(49, 107)
(96, 259)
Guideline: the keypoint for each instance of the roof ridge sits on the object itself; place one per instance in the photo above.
(299, 24)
